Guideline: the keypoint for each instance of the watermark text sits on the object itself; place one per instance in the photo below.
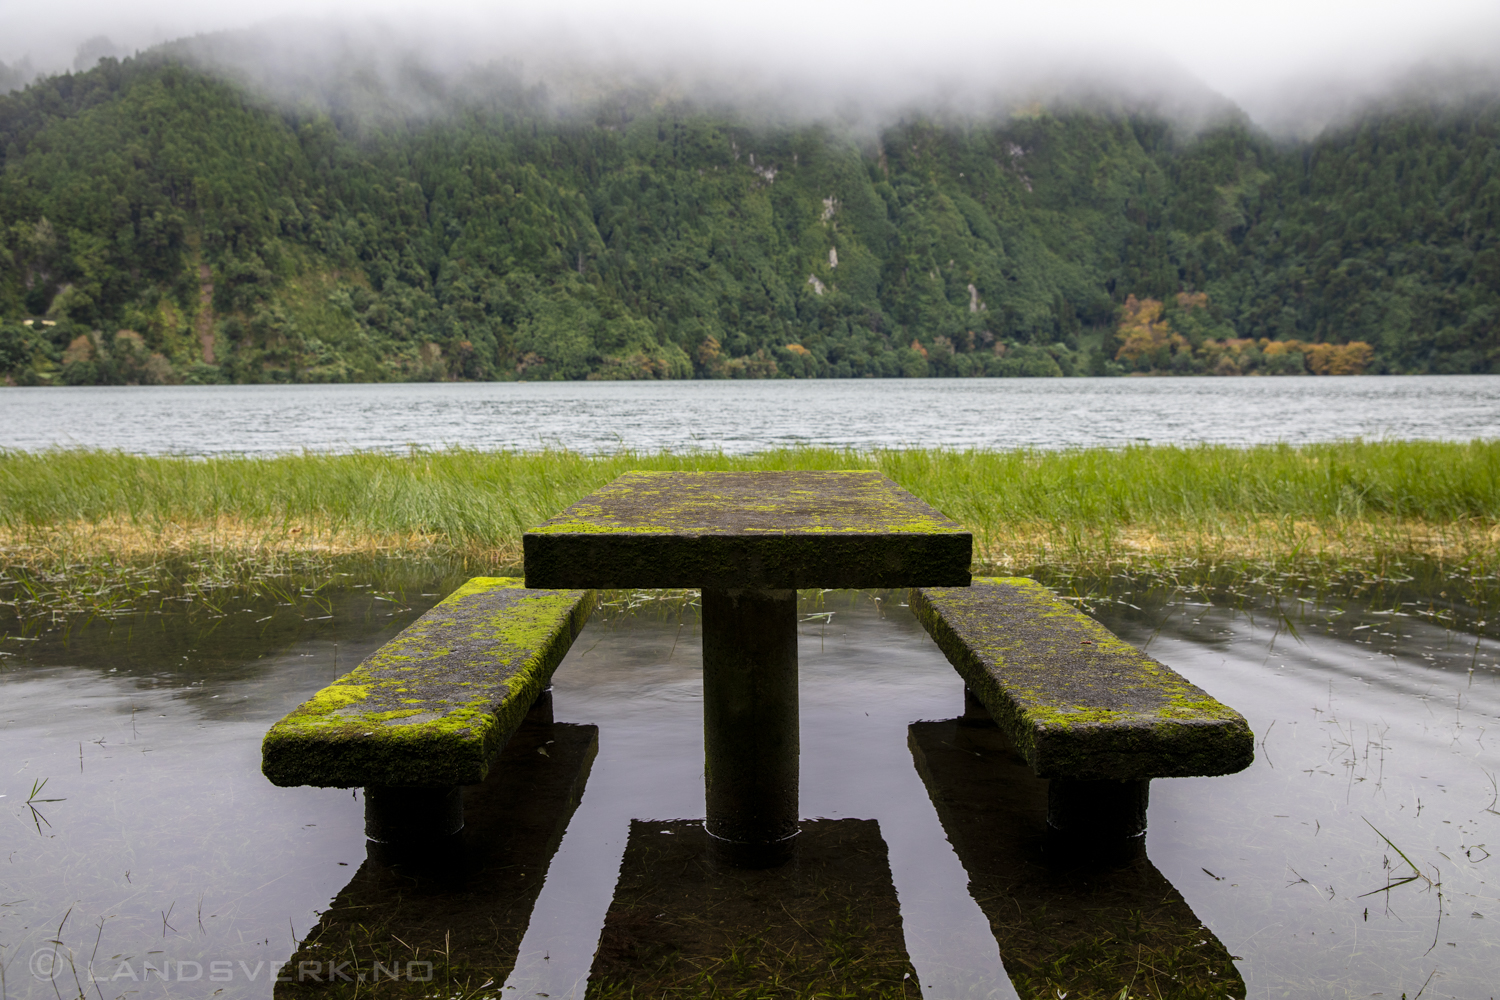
(48, 964)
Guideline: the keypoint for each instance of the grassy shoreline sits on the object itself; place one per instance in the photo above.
(1095, 505)
(1413, 526)
(1349, 502)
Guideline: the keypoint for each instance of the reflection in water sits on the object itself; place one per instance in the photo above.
(1064, 926)
(170, 863)
(406, 929)
(169, 850)
(867, 670)
(1373, 720)
(827, 923)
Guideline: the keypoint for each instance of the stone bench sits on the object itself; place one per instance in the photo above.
(1088, 711)
(430, 710)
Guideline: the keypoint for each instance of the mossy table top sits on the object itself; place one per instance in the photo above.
(760, 530)
(436, 704)
(1078, 701)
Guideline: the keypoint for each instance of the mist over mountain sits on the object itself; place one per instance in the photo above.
(337, 200)
(1293, 65)
(379, 70)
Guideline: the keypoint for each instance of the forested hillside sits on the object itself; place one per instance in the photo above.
(161, 224)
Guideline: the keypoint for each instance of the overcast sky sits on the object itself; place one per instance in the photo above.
(1263, 55)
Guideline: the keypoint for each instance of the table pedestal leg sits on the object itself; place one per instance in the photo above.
(750, 725)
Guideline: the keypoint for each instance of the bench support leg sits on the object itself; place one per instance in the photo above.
(1097, 814)
(412, 820)
(750, 723)
(975, 714)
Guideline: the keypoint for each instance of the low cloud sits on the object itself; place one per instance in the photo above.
(1293, 66)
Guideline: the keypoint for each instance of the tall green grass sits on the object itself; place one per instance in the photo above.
(86, 532)
(484, 499)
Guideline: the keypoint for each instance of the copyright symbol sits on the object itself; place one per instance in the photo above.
(45, 964)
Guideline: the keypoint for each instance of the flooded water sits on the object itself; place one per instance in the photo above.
(139, 843)
(750, 416)
(1354, 857)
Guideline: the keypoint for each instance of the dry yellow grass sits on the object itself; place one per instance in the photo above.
(121, 538)
(1241, 540)
(1001, 548)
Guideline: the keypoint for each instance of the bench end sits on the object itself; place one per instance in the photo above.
(436, 704)
(1078, 701)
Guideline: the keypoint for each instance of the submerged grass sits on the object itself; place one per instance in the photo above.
(1329, 509)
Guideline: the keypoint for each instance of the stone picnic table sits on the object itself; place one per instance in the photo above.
(749, 541)
(430, 711)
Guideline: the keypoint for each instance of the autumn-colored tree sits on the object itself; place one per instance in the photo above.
(1339, 359)
(1143, 331)
(711, 360)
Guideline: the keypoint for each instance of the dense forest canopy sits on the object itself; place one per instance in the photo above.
(160, 223)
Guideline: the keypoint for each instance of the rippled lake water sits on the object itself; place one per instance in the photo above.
(1353, 858)
(751, 415)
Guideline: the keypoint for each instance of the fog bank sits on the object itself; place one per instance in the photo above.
(1293, 67)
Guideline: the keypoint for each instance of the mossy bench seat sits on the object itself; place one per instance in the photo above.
(430, 710)
(1088, 711)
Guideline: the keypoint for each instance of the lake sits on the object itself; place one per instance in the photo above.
(745, 416)
(1353, 858)
(142, 853)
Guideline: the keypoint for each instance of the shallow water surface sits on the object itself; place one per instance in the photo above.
(749, 416)
(1353, 857)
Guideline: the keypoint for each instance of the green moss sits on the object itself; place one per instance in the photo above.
(767, 530)
(1074, 716)
(1076, 700)
(1178, 699)
(436, 704)
(335, 696)
(845, 501)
